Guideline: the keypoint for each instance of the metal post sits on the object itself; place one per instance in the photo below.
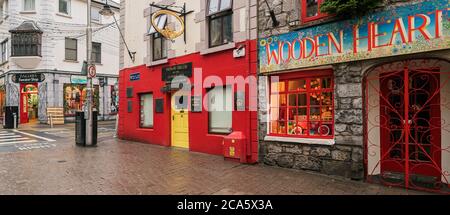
(51, 121)
(88, 111)
(15, 120)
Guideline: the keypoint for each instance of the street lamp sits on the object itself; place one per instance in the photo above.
(108, 12)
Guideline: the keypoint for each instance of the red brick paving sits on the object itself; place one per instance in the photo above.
(122, 167)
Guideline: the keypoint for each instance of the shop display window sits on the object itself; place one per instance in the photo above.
(302, 107)
(75, 97)
(114, 100)
(146, 110)
(220, 107)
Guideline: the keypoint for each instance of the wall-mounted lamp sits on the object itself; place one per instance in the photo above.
(275, 22)
(108, 12)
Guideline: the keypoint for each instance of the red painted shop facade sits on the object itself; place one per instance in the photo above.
(202, 114)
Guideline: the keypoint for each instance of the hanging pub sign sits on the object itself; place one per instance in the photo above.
(165, 31)
(28, 78)
(169, 73)
(407, 29)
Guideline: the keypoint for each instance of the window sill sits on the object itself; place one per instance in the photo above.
(312, 141)
(146, 129)
(71, 61)
(218, 48)
(64, 15)
(158, 62)
(28, 12)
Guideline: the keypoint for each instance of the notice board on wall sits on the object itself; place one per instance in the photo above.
(159, 106)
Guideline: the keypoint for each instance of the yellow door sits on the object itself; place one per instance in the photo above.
(180, 122)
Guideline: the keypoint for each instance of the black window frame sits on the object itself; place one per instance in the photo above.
(163, 47)
(96, 56)
(222, 16)
(66, 48)
(25, 44)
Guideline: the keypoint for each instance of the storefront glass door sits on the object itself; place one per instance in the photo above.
(29, 103)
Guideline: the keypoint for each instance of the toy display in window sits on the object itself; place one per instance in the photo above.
(327, 114)
(295, 128)
(324, 130)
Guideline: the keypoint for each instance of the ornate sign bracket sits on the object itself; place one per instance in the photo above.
(179, 10)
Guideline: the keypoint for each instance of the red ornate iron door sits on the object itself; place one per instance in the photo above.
(407, 97)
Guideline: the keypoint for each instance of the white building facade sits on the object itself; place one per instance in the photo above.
(43, 48)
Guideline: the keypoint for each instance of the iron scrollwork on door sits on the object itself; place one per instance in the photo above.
(408, 125)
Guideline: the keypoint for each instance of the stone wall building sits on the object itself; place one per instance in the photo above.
(332, 93)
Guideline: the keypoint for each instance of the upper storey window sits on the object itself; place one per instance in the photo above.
(64, 6)
(220, 16)
(29, 5)
(26, 40)
(311, 10)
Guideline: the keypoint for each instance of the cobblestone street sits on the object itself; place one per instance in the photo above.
(122, 167)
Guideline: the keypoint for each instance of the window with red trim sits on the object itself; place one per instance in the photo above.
(302, 107)
(311, 10)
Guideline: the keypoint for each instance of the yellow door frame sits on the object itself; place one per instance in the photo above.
(179, 122)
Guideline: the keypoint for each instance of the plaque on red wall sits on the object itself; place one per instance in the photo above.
(196, 104)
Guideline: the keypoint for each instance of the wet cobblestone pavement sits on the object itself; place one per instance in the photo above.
(123, 167)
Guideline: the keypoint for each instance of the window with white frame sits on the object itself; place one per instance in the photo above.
(64, 6)
(220, 14)
(29, 5)
(220, 108)
(97, 52)
(71, 49)
(26, 44)
(95, 14)
(146, 110)
(4, 51)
